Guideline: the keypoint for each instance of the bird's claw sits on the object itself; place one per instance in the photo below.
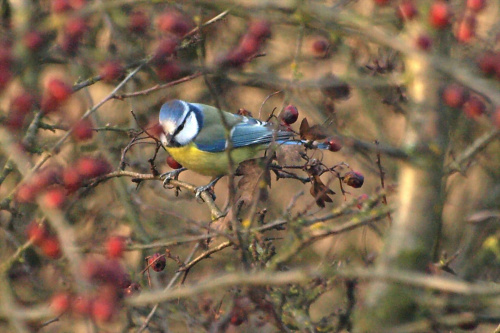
(168, 176)
(200, 189)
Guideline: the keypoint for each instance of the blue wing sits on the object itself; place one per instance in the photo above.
(248, 132)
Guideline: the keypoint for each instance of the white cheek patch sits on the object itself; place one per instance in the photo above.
(189, 132)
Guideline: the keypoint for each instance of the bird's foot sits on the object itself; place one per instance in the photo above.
(168, 176)
(208, 188)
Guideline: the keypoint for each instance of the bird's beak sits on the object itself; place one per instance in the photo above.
(165, 139)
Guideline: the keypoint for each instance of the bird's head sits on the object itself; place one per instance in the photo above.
(181, 123)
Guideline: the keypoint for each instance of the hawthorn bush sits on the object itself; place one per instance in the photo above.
(392, 226)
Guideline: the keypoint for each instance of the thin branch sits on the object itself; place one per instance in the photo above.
(468, 154)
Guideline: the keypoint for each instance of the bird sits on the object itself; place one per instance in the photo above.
(195, 136)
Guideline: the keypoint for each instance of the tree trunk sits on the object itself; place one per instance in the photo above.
(412, 239)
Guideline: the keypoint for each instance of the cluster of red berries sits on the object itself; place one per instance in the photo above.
(75, 26)
(111, 283)
(440, 16)
(55, 184)
(174, 27)
(250, 43)
(457, 96)
(40, 236)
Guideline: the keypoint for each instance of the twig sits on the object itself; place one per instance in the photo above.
(170, 284)
(204, 255)
(468, 154)
(157, 87)
(382, 183)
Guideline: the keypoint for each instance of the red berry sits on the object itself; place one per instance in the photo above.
(33, 41)
(454, 95)
(173, 163)
(474, 107)
(103, 309)
(488, 62)
(320, 47)
(59, 89)
(289, 115)
(37, 233)
(466, 29)
(138, 22)
(423, 42)
(249, 44)
(235, 59)
(173, 22)
(26, 193)
(260, 29)
(168, 71)
(406, 10)
(353, 179)
(382, 2)
(71, 179)
(15, 121)
(89, 167)
(49, 104)
(111, 71)
(60, 303)
(476, 5)
(83, 130)
(76, 27)
(54, 198)
(115, 246)
(158, 262)
(166, 47)
(22, 103)
(334, 144)
(51, 247)
(82, 305)
(440, 14)
(60, 6)
(46, 177)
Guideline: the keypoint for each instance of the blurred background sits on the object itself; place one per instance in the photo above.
(80, 81)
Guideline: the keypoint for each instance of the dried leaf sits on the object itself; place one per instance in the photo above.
(255, 177)
(315, 132)
(320, 191)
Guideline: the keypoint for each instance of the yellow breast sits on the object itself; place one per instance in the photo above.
(210, 164)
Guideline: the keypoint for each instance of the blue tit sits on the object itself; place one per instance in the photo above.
(194, 135)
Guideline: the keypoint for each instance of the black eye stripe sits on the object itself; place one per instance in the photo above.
(181, 126)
